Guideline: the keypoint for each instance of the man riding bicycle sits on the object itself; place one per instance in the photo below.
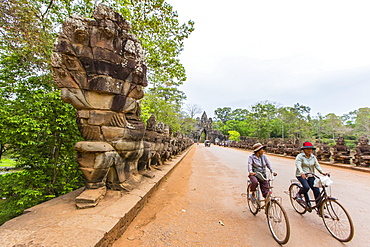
(257, 163)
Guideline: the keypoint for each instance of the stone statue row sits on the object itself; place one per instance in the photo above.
(101, 69)
(339, 153)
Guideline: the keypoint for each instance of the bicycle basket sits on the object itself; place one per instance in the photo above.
(323, 181)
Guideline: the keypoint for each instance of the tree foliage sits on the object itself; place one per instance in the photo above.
(234, 135)
(267, 119)
(35, 124)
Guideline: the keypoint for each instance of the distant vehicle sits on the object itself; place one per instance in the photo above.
(207, 143)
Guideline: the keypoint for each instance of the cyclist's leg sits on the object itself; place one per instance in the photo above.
(254, 184)
(305, 188)
(316, 191)
(264, 185)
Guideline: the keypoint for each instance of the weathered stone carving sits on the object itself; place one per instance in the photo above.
(341, 152)
(362, 156)
(100, 68)
(323, 151)
(289, 148)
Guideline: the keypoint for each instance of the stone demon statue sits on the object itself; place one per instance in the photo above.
(100, 68)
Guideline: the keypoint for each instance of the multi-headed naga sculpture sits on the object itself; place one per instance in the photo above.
(100, 67)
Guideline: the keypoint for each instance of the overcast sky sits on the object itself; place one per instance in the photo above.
(242, 52)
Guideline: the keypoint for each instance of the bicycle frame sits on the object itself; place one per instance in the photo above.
(335, 217)
(323, 194)
(275, 214)
(270, 195)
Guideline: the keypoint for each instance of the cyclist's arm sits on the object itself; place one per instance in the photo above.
(298, 164)
(268, 164)
(318, 167)
(250, 162)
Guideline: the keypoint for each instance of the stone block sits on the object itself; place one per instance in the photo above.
(106, 55)
(80, 77)
(107, 68)
(136, 93)
(90, 132)
(106, 84)
(86, 146)
(100, 117)
(118, 104)
(129, 156)
(83, 114)
(63, 78)
(105, 160)
(99, 40)
(90, 198)
(125, 89)
(93, 175)
(75, 97)
(98, 100)
(89, 64)
(117, 46)
(130, 105)
(72, 63)
(127, 145)
(63, 46)
(86, 160)
(111, 133)
(83, 51)
(123, 73)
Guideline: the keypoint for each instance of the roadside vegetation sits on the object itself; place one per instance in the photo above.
(270, 120)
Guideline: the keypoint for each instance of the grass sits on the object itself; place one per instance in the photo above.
(7, 163)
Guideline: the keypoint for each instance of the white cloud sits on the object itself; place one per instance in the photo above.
(245, 51)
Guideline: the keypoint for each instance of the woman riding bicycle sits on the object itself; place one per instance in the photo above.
(306, 162)
(257, 163)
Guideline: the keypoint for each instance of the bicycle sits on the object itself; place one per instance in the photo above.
(277, 218)
(335, 217)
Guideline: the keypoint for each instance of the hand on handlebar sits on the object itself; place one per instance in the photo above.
(252, 174)
(303, 175)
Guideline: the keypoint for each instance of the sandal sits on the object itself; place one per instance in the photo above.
(253, 197)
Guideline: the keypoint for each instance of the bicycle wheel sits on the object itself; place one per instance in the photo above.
(252, 204)
(278, 222)
(337, 220)
(298, 207)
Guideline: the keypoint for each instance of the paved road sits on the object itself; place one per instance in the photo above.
(205, 191)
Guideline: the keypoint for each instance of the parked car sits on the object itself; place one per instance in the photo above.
(207, 143)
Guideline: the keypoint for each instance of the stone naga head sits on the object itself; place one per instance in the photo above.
(98, 64)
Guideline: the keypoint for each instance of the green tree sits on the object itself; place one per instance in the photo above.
(223, 114)
(362, 124)
(262, 113)
(332, 125)
(234, 135)
(239, 114)
(165, 103)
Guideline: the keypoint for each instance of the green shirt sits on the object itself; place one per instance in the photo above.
(305, 164)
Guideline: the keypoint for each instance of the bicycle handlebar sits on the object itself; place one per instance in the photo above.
(310, 173)
(272, 177)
